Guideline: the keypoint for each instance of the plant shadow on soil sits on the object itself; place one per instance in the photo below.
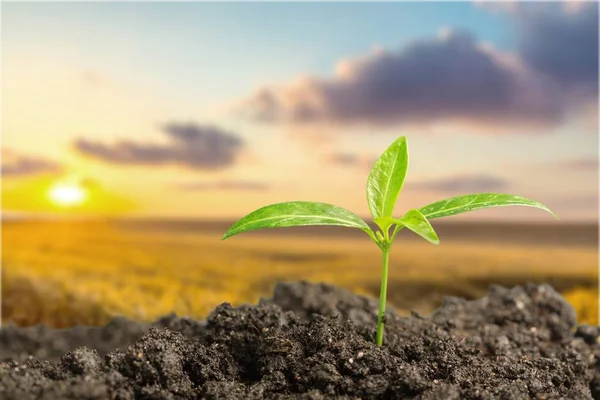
(315, 341)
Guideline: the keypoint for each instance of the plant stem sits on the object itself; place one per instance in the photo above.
(382, 295)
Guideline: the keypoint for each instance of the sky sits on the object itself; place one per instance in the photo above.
(211, 110)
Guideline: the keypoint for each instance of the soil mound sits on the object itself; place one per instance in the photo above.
(315, 341)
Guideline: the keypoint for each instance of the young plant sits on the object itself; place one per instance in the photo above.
(383, 187)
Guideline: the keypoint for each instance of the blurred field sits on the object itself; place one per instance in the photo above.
(68, 273)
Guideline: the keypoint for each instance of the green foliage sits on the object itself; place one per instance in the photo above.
(297, 213)
(383, 188)
(471, 202)
(386, 179)
(419, 224)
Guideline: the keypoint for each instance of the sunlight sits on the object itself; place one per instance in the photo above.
(67, 194)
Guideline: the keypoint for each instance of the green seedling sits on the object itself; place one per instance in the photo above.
(383, 187)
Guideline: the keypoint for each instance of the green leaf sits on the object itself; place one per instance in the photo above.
(386, 179)
(470, 202)
(418, 223)
(384, 223)
(297, 213)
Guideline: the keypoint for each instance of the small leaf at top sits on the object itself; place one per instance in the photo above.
(418, 223)
(297, 213)
(386, 179)
(470, 202)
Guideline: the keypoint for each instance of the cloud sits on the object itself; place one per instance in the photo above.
(17, 165)
(224, 185)
(94, 78)
(561, 41)
(464, 184)
(201, 147)
(583, 163)
(577, 202)
(350, 160)
(345, 159)
(453, 77)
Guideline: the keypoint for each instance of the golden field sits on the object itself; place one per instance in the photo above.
(68, 273)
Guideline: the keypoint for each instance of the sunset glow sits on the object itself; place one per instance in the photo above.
(211, 125)
(67, 195)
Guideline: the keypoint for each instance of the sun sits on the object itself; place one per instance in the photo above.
(67, 194)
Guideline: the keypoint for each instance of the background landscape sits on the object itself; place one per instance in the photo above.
(134, 134)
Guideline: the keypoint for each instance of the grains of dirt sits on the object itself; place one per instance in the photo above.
(314, 341)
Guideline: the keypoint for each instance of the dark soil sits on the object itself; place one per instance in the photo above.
(315, 342)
